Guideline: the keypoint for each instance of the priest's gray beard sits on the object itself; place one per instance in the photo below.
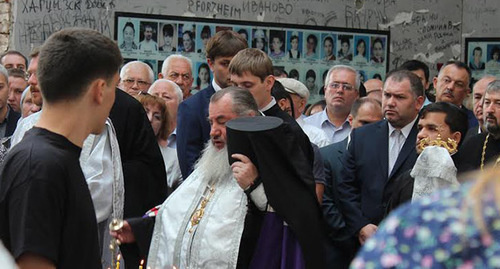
(213, 163)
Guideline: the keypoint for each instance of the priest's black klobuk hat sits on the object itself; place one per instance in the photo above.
(241, 131)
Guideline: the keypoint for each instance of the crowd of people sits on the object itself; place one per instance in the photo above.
(242, 174)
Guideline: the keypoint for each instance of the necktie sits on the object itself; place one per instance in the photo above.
(397, 143)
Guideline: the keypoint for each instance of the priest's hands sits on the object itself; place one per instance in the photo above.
(244, 171)
(125, 234)
(366, 232)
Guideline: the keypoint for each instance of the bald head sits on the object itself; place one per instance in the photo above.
(374, 88)
(365, 110)
(477, 97)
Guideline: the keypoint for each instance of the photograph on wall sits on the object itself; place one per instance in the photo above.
(482, 55)
(328, 47)
(259, 39)
(186, 39)
(128, 37)
(361, 50)
(204, 33)
(245, 33)
(344, 48)
(203, 76)
(168, 37)
(311, 50)
(378, 50)
(148, 36)
(277, 47)
(305, 52)
(294, 45)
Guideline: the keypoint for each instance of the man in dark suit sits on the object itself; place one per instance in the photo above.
(452, 86)
(378, 153)
(341, 247)
(8, 117)
(193, 129)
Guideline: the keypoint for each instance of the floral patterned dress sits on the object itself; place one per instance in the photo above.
(437, 231)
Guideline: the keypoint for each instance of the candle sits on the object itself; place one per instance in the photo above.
(140, 265)
(118, 261)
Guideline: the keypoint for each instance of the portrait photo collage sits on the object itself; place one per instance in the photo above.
(483, 56)
(304, 54)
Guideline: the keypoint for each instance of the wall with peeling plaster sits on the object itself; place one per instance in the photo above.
(429, 30)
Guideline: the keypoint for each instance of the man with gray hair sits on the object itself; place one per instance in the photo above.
(378, 153)
(477, 105)
(212, 188)
(485, 147)
(136, 77)
(8, 117)
(341, 90)
(171, 93)
(179, 69)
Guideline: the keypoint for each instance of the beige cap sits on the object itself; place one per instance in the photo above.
(294, 86)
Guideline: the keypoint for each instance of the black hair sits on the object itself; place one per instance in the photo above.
(455, 118)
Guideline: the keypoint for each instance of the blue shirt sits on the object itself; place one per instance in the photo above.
(334, 133)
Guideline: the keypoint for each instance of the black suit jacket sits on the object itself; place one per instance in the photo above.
(11, 122)
(365, 185)
(193, 129)
(144, 175)
(332, 159)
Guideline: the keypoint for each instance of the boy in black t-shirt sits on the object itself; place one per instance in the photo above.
(47, 218)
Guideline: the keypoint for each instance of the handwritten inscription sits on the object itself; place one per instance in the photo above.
(36, 31)
(247, 7)
(212, 7)
(40, 6)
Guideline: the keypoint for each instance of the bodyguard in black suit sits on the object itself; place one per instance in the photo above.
(341, 246)
(193, 129)
(366, 178)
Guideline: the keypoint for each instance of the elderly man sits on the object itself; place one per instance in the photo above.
(13, 59)
(136, 77)
(224, 204)
(8, 117)
(17, 85)
(299, 94)
(178, 69)
(193, 130)
(477, 104)
(378, 153)
(341, 90)
(374, 88)
(452, 85)
(341, 248)
(171, 93)
(481, 149)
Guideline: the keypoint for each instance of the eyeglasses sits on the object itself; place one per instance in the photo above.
(174, 76)
(345, 86)
(140, 83)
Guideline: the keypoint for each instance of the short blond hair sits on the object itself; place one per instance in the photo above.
(254, 61)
